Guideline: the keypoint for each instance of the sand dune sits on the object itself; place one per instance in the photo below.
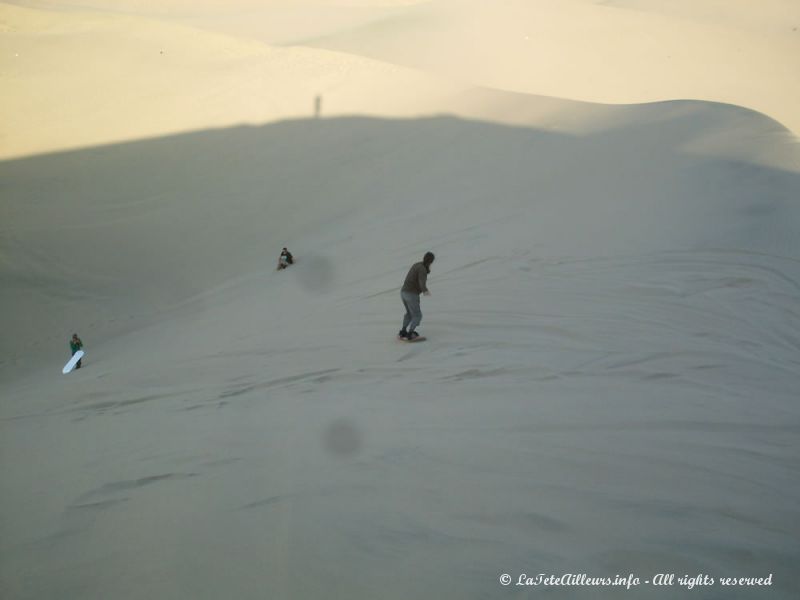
(71, 71)
(594, 341)
(72, 74)
(188, 213)
(610, 380)
(611, 52)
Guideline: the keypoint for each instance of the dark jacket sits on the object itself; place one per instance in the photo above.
(416, 279)
(75, 344)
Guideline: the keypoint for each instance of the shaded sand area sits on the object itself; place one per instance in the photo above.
(610, 382)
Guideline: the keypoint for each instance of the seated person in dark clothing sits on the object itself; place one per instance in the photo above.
(285, 259)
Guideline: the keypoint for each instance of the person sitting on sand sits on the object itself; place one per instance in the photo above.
(285, 259)
(76, 344)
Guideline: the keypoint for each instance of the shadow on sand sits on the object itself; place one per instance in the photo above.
(154, 222)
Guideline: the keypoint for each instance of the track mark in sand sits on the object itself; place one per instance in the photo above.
(80, 516)
(406, 455)
(520, 521)
(221, 462)
(630, 361)
(130, 484)
(214, 403)
(468, 265)
(475, 374)
(100, 407)
(248, 353)
(77, 519)
(653, 376)
(652, 426)
(309, 495)
(103, 504)
(267, 501)
(383, 293)
(21, 417)
(315, 375)
(547, 378)
(614, 362)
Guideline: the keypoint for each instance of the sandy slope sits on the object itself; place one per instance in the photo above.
(609, 386)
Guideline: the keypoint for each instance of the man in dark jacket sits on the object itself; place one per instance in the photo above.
(285, 259)
(414, 285)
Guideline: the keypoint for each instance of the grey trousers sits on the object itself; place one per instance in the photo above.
(413, 315)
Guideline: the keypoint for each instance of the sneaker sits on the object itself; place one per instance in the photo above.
(412, 335)
(403, 334)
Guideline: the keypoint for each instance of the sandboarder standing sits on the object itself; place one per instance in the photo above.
(76, 344)
(414, 285)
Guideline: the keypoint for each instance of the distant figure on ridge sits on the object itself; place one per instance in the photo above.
(285, 259)
(414, 285)
(76, 344)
